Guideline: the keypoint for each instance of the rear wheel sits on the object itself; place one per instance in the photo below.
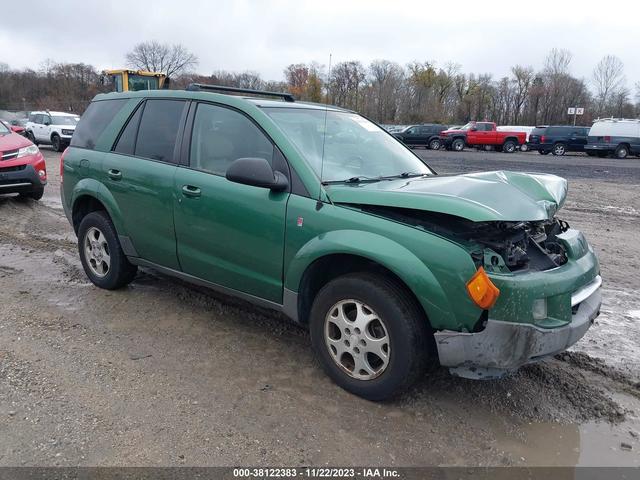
(101, 255)
(435, 144)
(559, 149)
(509, 146)
(622, 152)
(457, 145)
(369, 335)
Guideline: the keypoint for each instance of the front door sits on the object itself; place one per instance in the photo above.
(227, 233)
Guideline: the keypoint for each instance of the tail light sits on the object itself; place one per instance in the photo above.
(542, 139)
(62, 163)
(607, 138)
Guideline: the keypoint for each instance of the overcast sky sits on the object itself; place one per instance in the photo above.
(265, 36)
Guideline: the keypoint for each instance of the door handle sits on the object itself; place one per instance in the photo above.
(115, 174)
(191, 191)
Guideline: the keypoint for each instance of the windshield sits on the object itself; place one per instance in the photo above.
(468, 126)
(3, 129)
(64, 120)
(142, 82)
(354, 148)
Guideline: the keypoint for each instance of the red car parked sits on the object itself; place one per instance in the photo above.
(482, 135)
(22, 166)
(14, 128)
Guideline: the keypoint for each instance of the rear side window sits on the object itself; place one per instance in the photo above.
(158, 130)
(126, 143)
(538, 131)
(94, 121)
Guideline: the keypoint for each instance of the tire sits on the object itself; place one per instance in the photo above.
(457, 145)
(97, 234)
(559, 149)
(396, 317)
(435, 144)
(524, 148)
(31, 137)
(56, 143)
(488, 148)
(509, 146)
(34, 194)
(622, 152)
(543, 152)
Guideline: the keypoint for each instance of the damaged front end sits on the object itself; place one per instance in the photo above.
(549, 283)
(498, 246)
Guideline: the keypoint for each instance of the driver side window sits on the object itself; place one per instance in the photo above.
(221, 135)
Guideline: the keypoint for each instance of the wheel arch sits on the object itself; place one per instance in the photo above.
(338, 253)
(92, 196)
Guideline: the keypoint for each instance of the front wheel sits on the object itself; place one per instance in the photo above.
(56, 143)
(457, 145)
(101, 255)
(435, 144)
(33, 194)
(524, 148)
(370, 335)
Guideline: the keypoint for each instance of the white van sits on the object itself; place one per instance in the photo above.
(517, 128)
(614, 135)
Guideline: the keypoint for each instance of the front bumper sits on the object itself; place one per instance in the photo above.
(20, 179)
(503, 347)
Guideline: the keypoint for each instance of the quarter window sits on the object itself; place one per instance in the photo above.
(127, 141)
(158, 130)
(221, 136)
(94, 121)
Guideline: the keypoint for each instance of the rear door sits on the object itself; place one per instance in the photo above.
(227, 233)
(139, 173)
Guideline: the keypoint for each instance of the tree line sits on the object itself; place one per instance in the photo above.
(383, 90)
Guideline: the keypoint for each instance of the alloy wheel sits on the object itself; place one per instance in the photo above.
(96, 252)
(357, 339)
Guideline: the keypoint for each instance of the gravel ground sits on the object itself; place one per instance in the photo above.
(164, 373)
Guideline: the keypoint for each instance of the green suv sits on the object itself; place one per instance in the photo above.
(318, 213)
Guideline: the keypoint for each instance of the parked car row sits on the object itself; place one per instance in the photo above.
(610, 136)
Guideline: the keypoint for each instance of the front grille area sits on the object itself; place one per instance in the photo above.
(8, 155)
(17, 168)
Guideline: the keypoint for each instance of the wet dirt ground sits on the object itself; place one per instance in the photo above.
(164, 373)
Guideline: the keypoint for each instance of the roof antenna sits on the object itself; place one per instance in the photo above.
(324, 136)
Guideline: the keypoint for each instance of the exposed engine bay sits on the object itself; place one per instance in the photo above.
(499, 246)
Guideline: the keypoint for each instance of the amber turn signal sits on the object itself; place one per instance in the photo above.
(481, 290)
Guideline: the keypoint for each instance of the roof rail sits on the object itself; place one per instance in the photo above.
(194, 87)
(617, 119)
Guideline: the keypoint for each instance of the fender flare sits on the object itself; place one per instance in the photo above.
(93, 188)
(383, 251)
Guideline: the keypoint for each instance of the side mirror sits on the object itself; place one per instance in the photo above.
(258, 173)
(47, 123)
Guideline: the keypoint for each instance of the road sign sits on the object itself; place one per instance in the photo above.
(571, 111)
(579, 111)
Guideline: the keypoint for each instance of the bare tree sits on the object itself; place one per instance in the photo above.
(523, 79)
(608, 79)
(160, 57)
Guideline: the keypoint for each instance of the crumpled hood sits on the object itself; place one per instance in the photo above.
(479, 197)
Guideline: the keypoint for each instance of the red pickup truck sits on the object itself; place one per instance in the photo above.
(482, 135)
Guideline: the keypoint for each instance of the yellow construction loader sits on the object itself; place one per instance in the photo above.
(123, 80)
